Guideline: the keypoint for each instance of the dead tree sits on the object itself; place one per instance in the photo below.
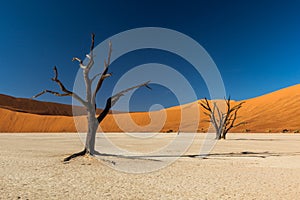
(222, 121)
(90, 97)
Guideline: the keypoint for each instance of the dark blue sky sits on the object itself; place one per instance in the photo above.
(255, 44)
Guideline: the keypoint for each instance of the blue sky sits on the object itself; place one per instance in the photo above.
(255, 44)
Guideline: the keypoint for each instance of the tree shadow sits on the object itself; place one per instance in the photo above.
(241, 139)
(147, 158)
(244, 154)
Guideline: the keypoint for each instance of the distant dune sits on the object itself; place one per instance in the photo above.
(33, 106)
(273, 112)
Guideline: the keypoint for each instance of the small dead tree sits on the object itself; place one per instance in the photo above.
(222, 121)
(90, 98)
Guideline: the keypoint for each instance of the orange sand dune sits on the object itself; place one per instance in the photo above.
(37, 107)
(33, 106)
(272, 112)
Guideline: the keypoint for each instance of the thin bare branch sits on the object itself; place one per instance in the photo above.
(146, 84)
(95, 76)
(91, 55)
(55, 79)
(106, 64)
(204, 103)
(204, 106)
(220, 114)
(65, 91)
(104, 73)
(113, 99)
(51, 92)
(93, 42)
(207, 103)
(81, 65)
(232, 122)
(38, 94)
(238, 106)
(207, 114)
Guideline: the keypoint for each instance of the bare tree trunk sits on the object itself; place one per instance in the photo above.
(224, 134)
(218, 135)
(91, 134)
(89, 148)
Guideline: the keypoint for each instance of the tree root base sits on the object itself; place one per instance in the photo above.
(81, 153)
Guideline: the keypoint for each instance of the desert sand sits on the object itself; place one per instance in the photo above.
(270, 113)
(245, 166)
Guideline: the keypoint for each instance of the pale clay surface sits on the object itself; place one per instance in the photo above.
(32, 168)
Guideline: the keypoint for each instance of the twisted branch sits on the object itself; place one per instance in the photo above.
(111, 101)
(65, 91)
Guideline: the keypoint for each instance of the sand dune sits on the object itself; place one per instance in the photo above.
(33, 106)
(272, 112)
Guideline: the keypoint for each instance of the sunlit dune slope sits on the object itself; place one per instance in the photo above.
(273, 112)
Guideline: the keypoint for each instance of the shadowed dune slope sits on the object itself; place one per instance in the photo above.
(33, 106)
(272, 112)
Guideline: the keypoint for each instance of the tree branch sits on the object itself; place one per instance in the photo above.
(89, 56)
(233, 118)
(113, 99)
(81, 65)
(95, 76)
(51, 92)
(205, 104)
(207, 114)
(63, 89)
(104, 74)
